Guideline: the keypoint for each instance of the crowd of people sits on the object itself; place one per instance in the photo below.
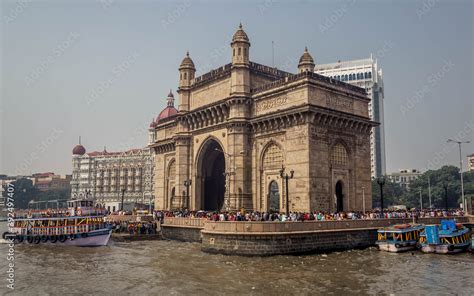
(316, 215)
(134, 228)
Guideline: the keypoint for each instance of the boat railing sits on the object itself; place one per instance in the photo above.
(58, 230)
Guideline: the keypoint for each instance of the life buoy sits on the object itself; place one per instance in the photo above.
(62, 238)
(30, 239)
(19, 238)
(4, 235)
(44, 238)
(36, 239)
(53, 239)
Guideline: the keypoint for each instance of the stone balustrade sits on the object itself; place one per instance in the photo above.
(257, 227)
(185, 222)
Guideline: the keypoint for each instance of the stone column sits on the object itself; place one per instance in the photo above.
(183, 142)
(239, 165)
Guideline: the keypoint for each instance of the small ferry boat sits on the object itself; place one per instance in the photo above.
(448, 238)
(80, 224)
(399, 238)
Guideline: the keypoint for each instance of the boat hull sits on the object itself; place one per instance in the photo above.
(394, 249)
(444, 249)
(96, 238)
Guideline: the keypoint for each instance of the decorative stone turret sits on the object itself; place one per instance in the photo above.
(240, 62)
(187, 70)
(306, 63)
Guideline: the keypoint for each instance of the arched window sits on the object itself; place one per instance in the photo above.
(234, 52)
(240, 51)
(346, 77)
(272, 158)
(339, 155)
(370, 74)
(185, 76)
(245, 51)
(365, 75)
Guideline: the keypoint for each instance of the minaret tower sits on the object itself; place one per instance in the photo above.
(186, 79)
(240, 63)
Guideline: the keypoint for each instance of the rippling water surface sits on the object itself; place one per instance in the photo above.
(175, 268)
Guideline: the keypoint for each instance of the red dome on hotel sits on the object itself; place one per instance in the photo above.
(79, 150)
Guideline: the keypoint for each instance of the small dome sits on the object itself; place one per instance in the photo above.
(187, 63)
(168, 112)
(240, 36)
(306, 58)
(79, 150)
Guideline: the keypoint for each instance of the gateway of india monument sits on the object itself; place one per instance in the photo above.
(240, 129)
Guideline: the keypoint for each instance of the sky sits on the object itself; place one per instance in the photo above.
(102, 69)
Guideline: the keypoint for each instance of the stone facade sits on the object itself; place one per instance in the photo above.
(240, 125)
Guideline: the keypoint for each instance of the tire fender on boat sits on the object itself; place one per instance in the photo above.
(418, 245)
(62, 238)
(397, 246)
(451, 248)
(44, 238)
(19, 238)
(36, 239)
(53, 239)
(30, 239)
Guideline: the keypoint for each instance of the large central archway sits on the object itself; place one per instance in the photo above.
(211, 171)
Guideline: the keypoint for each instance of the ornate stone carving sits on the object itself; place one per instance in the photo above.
(271, 103)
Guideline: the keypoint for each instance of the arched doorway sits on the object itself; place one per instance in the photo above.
(273, 196)
(212, 173)
(339, 196)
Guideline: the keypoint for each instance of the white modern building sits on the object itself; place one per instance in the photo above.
(405, 177)
(365, 73)
(106, 176)
(470, 162)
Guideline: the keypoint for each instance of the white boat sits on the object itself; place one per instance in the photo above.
(81, 224)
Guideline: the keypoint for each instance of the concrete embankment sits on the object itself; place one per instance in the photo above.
(275, 238)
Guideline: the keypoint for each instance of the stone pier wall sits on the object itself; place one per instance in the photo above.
(182, 229)
(274, 238)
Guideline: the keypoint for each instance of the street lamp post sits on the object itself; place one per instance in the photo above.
(445, 186)
(429, 190)
(363, 199)
(286, 176)
(187, 183)
(421, 201)
(460, 170)
(381, 182)
(123, 193)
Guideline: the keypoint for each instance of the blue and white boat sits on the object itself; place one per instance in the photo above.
(398, 238)
(448, 238)
(80, 224)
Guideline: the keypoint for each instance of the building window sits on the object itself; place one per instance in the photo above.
(273, 157)
(245, 51)
(239, 51)
(370, 75)
(339, 155)
(234, 52)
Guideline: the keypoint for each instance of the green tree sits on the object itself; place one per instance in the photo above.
(392, 193)
(24, 193)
